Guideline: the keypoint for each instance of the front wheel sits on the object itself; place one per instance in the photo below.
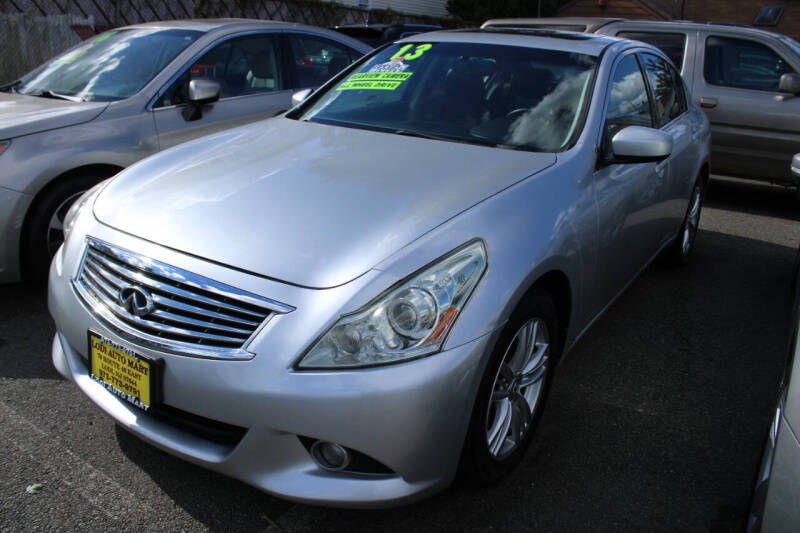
(513, 390)
(44, 228)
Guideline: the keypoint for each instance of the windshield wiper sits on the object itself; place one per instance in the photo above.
(11, 87)
(408, 133)
(50, 94)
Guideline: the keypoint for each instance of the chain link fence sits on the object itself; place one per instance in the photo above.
(35, 30)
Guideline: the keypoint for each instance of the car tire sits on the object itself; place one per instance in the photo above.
(680, 250)
(43, 231)
(485, 459)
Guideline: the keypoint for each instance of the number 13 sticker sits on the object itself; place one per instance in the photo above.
(419, 49)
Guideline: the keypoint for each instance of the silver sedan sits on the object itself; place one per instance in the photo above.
(346, 304)
(129, 93)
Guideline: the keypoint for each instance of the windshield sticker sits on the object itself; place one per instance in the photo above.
(103, 37)
(375, 81)
(418, 50)
(391, 66)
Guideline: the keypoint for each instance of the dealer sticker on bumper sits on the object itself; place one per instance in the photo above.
(121, 371)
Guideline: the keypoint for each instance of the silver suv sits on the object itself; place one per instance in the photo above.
(744, 78)
(130, 93)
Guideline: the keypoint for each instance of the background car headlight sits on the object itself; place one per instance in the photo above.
(411, 320)
(85, 199)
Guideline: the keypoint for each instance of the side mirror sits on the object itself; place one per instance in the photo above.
(638, 144)
(789, 83)
(796, 168)
(201, 92)
(299, 96)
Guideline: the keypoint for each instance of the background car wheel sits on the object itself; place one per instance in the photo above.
(680, 250)
(44, 228)
(513, 390)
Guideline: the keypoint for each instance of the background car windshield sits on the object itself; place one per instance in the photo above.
(111, 66)
(506, 96)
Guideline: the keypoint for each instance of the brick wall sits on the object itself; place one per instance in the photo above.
(744, 12)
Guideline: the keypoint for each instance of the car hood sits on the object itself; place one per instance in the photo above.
(310, 204)
(21, 114)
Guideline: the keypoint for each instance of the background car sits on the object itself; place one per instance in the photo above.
(744, 78)
(376, 35)
(347, 303)
(129, 93)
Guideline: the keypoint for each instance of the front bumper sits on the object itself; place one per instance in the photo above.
(410, 417)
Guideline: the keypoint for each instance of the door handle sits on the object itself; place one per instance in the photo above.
(708, 102)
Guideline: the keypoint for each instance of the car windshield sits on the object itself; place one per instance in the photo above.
(496, 95)
(111, 66)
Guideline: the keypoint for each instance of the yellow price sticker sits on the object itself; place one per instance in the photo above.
(376, 81)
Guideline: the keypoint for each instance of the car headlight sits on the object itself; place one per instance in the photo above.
(85, 199)
(410, 320)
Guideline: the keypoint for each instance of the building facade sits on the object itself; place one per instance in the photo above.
(428, 8)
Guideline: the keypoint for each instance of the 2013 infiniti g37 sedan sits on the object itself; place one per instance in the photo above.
(350, 302)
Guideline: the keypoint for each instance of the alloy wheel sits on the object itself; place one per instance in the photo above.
(517, 388)
(692, 221)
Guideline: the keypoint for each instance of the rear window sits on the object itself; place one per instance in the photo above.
(672, 44)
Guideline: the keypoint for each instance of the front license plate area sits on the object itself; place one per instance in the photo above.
(125, 373)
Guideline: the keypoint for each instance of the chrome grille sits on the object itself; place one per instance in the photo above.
(187, 313)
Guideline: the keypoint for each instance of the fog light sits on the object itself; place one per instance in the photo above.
(330, 455)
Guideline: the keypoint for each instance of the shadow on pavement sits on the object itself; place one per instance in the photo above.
(753, 197)
(25, 328)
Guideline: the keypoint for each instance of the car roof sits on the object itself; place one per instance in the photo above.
(590, 23)
(234, 24)
(580, 43)
(595, 23)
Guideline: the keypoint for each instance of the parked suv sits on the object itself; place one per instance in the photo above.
(130, 92)
(744, 78)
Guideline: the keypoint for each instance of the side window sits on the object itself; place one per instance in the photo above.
(627, 102)
(241, 66)
(316, 60)
(670, 102)
(743, 64)
(672, 44)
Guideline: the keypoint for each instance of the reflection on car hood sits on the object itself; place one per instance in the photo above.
(305, 203)
(21, 114)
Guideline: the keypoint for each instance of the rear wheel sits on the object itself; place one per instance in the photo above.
(44, 229)
(513, 390)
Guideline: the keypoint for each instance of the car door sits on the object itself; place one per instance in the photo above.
(253, 86)
(676, 173)
(313, 60)
(627, 193)
(753, 133)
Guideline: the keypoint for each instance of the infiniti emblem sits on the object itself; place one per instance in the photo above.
(135, 300)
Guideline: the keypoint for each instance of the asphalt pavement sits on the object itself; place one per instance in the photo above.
(655, 421)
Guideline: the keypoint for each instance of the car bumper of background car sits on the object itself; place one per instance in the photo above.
(13, 205)
(410, 418)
